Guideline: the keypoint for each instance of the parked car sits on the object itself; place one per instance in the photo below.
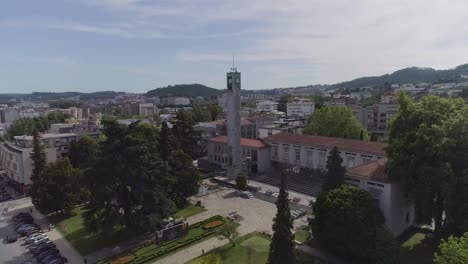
(50, 257)
(35, 237)
(60, 260)
(46, 252)
(20, 214)
(32, 231)
(36, 250)
(11, 238)
(38, 240)
(5, 197)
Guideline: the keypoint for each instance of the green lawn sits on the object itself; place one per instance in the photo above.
(86, 243)
(80, 238)
(189, 210)
(250, 249)
(415, 249)
(302, 235)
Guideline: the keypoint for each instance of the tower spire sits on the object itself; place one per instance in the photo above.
(233, 68)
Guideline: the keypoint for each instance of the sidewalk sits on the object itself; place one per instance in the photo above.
(66, 249)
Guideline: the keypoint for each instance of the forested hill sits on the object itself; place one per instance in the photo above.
(410, 75)
(188, 90)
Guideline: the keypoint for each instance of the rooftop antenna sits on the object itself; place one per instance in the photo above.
(233, 68)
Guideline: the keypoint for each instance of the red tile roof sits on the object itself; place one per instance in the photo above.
(370, 147)
(374, 170)
(245, 142)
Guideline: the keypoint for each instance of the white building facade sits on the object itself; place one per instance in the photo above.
(300, 108)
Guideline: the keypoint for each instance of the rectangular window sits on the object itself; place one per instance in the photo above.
(350, 161)
(298, 155)
(275, 152)
(322, 159)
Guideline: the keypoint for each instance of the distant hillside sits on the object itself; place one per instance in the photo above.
(409, 75)
(188, 90)
(45, 96)
(101, 95)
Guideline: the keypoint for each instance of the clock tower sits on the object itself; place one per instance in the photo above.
(233, 122)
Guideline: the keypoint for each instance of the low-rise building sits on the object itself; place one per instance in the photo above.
(266, 106)
(397, 209)
(139, 109)
(254, 153)
(300, 108)
(15, 157)
(9, 115)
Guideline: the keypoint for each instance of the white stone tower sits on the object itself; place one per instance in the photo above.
(233, 122)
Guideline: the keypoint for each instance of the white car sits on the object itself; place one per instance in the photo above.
(33, 236)
(39, 240)
(29, 240)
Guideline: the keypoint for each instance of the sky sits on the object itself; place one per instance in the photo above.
(139, 45)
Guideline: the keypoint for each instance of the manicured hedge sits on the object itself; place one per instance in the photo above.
(140, 259)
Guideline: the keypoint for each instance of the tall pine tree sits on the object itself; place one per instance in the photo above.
(39, 162)
(164, 141)
(282, 243)
(335, 171)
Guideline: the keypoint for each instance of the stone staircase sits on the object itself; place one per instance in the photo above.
(306, 184)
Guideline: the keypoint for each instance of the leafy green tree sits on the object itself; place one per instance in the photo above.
(165, 141)
(335, 175)
(24, 126)
(282, 243)
(348, 221)
(184, 135)
(454, 250)
(242, 181)
(129, 184)
(283, 101)
(335, 121)
(39, 161)
(427, 153)
(228, 231)
(186, 177)
(85, 150)
(61, 186)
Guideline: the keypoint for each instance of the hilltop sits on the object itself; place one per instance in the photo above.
(188, 90)
(409, 75)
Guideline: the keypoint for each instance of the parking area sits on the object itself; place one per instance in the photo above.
(18, 251)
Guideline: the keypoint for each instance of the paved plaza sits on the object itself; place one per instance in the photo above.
(258, 216)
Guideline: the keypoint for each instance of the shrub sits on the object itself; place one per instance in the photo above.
(211, 258)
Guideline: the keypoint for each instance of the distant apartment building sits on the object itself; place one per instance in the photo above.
(266, 106)
(378, 119)
(176, 101)
(139, 109)
(300, 108)
(388, 98)
(9, 115)
(342, 101)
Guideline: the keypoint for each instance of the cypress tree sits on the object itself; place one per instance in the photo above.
(39, 162)
(282, 243)
(164, 139)
(335, 171)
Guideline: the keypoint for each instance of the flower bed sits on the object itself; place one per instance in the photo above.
(124, 259)
(213, 224)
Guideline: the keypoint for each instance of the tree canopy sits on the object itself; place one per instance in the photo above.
(335, 121)
(427, 153)
(184, 135)
(334, 177)
(39, 161)
(186, 177)
(60, 184)
(85, 150)
(348, 221)
(454, 250)
(27, 125)
(282, 242)
(129, 184)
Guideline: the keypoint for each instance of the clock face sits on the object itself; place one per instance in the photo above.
(230, 80)
(237, 80)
